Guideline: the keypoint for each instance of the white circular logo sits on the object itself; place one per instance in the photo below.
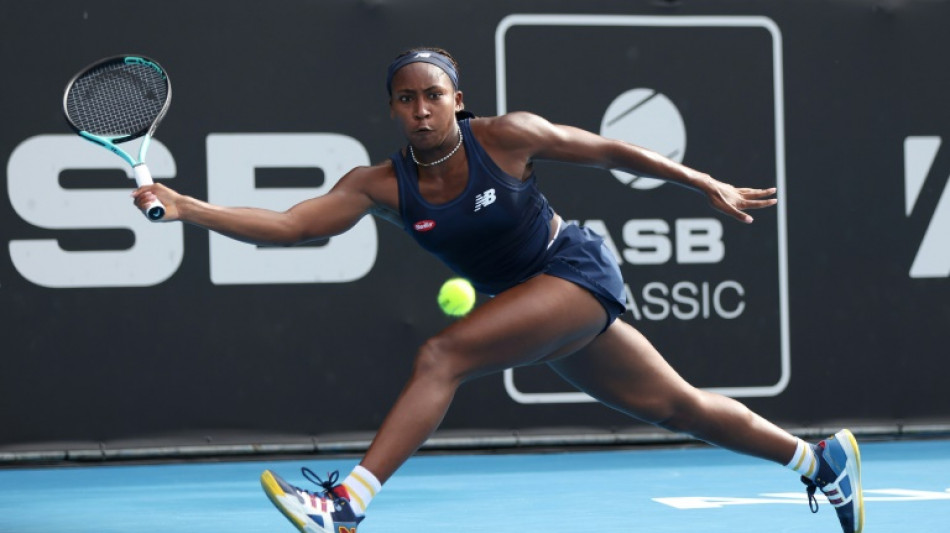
(649, 119)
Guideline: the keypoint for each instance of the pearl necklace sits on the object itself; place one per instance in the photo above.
(437, 161)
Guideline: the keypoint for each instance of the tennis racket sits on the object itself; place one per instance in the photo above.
(118, 99)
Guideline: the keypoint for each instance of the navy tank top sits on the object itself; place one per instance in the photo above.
(495, 233)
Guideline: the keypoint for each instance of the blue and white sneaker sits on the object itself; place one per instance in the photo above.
(839, 478)
(328, 511)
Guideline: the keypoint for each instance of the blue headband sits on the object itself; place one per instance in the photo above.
(424, 56)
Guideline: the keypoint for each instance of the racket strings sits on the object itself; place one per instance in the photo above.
(117, 99)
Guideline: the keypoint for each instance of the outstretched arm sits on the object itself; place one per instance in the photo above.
(316, 218)
(532, 137)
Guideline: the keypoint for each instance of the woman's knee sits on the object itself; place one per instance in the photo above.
(702, 413)
(682, 413)
(440, 358)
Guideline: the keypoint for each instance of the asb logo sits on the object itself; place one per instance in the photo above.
(933, 256)
(647, 118)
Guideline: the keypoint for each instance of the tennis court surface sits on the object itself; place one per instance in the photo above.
(907, 488)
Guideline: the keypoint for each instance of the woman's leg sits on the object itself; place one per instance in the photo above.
(624, 371)
(541, 318)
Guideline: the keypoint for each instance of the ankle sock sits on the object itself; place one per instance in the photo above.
(361, 486)
(804, 461)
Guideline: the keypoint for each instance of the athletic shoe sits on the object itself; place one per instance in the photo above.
(839, 478)
(325, 512)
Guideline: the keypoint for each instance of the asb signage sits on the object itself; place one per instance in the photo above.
(713, 289)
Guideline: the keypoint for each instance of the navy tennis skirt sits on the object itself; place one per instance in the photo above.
(580, 256)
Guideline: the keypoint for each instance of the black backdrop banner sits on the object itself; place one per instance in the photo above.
(833, 307)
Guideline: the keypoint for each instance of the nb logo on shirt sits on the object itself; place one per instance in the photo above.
(485, 199)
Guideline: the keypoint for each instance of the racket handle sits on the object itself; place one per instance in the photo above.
(154, 210)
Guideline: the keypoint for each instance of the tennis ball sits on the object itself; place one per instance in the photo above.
(456, 297)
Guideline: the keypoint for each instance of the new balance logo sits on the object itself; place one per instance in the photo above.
(933, 256)
(485, 199)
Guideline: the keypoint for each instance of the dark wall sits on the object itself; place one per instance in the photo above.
(833, 306)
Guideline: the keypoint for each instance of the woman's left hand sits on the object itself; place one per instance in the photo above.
(735, 201)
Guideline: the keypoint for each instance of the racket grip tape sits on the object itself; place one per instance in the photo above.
(154, 210)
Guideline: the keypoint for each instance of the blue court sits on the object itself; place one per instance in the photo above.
(907, 488)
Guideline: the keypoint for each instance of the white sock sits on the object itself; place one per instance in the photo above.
(804, 461)
(361, 485)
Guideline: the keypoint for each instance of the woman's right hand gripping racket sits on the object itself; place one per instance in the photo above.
(118, 99)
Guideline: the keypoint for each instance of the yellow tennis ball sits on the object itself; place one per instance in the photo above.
(456, 297)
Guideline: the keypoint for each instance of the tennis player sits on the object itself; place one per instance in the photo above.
(464, 188)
